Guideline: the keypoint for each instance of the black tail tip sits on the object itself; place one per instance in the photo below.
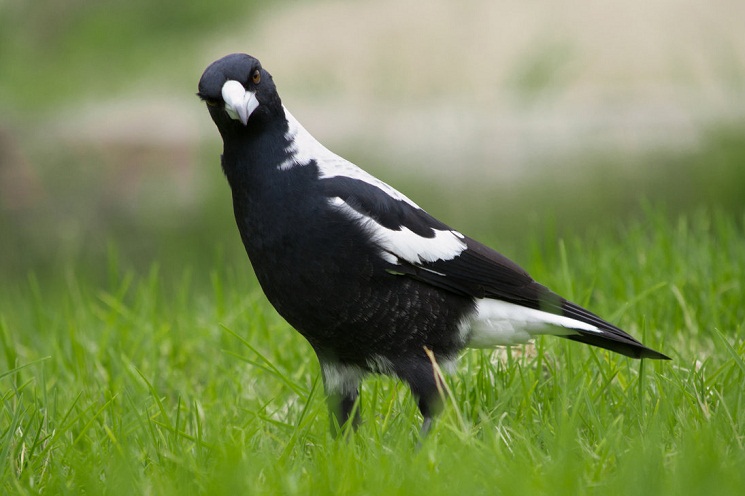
(652, 354)
(625, 345)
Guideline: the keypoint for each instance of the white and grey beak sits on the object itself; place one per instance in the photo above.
(239, 103)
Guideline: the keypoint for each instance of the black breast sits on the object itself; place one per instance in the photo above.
(323, 274)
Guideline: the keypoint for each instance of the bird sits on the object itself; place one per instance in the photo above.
(374, 283)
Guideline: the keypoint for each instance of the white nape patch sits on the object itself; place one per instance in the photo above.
(405, 243)
(239, 103)
(498, 323)
(304, 148)
(342, 379)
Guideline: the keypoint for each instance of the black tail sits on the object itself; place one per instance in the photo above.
(612, 338)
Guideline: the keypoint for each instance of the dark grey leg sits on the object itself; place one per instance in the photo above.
(426, 426)
(430, 406)
(421, 380)
(341, 407)
(341, 383)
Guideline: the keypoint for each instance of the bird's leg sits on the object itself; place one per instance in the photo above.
(426, 426)
(342, 406)
(341, 383)
(422, 380)
(430, 406)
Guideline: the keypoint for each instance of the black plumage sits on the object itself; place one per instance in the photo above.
(366, 276)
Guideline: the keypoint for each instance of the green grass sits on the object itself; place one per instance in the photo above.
(183, 380)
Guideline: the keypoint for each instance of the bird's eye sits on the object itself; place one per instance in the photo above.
(212, 103)
(256, 77)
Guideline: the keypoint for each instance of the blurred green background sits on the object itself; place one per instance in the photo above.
(600, 144)
(501, 118)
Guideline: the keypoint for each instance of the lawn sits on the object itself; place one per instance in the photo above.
(181, 379)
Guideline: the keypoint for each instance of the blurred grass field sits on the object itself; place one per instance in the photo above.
(138, 355)
(147, 382)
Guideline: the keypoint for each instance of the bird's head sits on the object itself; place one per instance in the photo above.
(239, 92)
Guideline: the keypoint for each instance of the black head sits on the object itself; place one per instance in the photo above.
(239, 93)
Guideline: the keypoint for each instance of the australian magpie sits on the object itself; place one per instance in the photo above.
(372, 281)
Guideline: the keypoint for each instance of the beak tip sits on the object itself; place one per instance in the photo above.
(239, 103)
(243, 116)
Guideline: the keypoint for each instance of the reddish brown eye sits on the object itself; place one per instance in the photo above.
(256, 78)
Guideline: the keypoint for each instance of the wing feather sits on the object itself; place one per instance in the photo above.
(417, 245)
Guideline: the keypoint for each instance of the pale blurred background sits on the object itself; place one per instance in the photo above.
(496, 116)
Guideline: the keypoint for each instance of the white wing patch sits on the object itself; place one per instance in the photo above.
(304, 148)
(498, 323)
(395, 244)
(404, 243)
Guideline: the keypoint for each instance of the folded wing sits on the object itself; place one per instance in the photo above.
(417, 245)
